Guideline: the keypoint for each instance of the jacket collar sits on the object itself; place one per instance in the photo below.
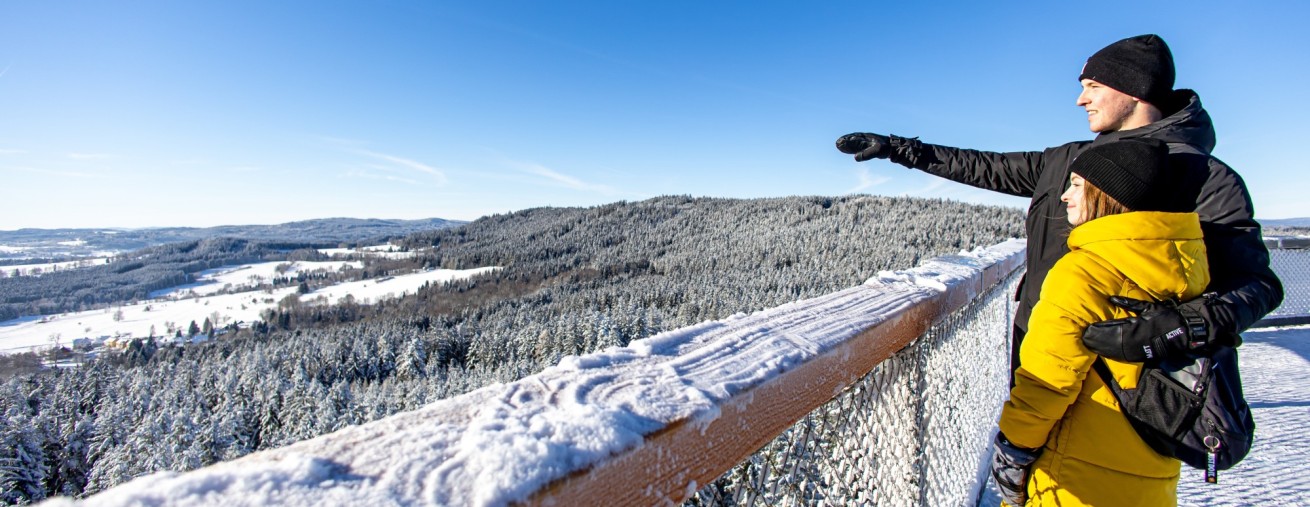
(1162, 253)
(1135, 226)
(1190, 125)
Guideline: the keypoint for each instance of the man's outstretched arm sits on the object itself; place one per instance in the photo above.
(1013, 173)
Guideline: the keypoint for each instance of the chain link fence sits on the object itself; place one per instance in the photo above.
(914, 431)
(1290, 259)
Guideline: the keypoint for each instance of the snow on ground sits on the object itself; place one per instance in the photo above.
(27, 334)
(1275, 366)
(46, 267)
(385, 251)
(337, 251)
(1276, 379)
(212, 281)
(369, 291)
(34, 333)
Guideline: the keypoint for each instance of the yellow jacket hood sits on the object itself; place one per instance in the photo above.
(1157, 251)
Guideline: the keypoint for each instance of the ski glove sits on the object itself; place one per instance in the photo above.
(1160, 330)
(1011, 468)
(865, 146)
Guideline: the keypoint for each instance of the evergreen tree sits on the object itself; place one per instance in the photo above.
(22, 457)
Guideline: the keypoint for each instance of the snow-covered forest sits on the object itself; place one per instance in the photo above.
(132, 276)
(574, 280)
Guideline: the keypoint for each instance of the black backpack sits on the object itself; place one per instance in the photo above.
(1191, 409)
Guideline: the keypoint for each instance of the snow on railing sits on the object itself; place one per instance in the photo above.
(655, 422)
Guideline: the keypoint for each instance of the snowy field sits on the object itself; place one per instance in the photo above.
(387, 251)
(176, 308)
(383, 251)
(46, 267)
(216, 280)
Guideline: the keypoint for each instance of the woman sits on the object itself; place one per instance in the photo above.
(1063, 440)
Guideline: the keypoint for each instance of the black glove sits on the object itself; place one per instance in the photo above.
(1011, 468)
(1161, 330)
(865, 146)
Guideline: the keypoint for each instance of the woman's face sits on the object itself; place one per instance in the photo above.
(1073, 199)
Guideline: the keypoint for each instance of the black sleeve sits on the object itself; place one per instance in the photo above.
(1013, 173)
(1239, 262)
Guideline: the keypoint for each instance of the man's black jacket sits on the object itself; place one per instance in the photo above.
(1239, 261)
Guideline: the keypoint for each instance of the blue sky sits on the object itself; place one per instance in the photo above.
(134, 114)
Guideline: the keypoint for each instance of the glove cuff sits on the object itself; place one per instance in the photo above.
(907, 151)
(1020, 456)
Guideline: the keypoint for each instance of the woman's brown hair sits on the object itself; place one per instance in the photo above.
(1097, 204)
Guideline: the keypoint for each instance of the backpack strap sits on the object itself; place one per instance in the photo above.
(1103, 370)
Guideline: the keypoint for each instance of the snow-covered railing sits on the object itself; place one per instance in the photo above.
(885, 392)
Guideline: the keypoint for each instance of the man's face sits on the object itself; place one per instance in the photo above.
(1107, 108)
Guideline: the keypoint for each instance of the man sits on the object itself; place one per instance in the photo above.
(1127, 90)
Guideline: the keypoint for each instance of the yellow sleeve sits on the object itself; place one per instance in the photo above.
(1053, 358)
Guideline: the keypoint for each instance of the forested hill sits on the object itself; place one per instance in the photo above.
(838, 240)
(48, 245)
(574, 280)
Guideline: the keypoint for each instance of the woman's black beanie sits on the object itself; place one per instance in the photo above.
(1132, 171)
(1140, 66)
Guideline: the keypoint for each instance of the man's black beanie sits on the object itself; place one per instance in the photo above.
(1133, 171)
(1140, 66)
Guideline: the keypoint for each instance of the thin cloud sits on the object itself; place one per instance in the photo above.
(946, 189)
(89, 156)
(564, 180)
(415, 165)
(11, 152)
(867, 181)
(935, 187)
(376, 176)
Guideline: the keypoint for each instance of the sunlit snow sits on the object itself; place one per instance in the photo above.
(175, 309)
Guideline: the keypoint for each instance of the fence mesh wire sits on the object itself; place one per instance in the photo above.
(914, 431)
(1292, 265)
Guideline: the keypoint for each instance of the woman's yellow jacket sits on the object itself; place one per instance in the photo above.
(1092, 456)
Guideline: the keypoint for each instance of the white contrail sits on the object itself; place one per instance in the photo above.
(3, 72)
(867, 181)
(412, 164)
(565, 180)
